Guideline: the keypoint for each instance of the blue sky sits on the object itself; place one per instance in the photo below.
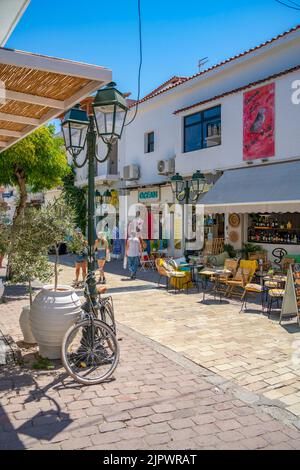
(176, 33)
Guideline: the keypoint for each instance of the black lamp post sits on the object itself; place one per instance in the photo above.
(106, 118)
(188, 190)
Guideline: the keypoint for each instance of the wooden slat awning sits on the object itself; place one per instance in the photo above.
(35, 89)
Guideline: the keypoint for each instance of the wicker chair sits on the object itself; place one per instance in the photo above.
(168, 272)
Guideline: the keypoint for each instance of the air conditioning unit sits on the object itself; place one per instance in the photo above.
(131, 172)
(166, 167)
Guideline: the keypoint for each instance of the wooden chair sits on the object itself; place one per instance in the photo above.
(232, 266)
(213, 247)
(249, 267)
(236, 286)
(286, 263)
(263, 255)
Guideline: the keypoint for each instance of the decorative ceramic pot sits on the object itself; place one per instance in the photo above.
(25, 326)
(51, 315)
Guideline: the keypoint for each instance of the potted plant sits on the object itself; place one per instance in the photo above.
(28, 258)
(249, 248)
(230, 250)
(57, 306)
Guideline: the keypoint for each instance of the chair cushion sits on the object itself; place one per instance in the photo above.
(235, 283)
(276, 293)
(218, 260)
(177, 274)
(272, 284)
(254, 288)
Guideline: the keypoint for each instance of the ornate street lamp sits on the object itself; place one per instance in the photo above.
(197, 185)
(106, 118)
(98, 197)
(107, 197)
(188, 190)
(75, 127)
(110, 110)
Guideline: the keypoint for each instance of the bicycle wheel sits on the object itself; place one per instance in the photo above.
(90, 352)
(107, 314)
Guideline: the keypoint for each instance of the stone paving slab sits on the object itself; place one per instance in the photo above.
(153, 403)
(248, 348)
(248, 364)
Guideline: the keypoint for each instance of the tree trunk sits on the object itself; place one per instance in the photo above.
(56, 267)
(23, 195)
(19, 212)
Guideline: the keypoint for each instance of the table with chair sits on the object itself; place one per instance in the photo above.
(243, 279)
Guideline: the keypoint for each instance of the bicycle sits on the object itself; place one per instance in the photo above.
(90, 350)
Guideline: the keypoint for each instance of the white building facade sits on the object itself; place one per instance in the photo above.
(200, 123)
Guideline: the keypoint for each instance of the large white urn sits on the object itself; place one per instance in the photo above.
(24, 322)
(1, 289)
(52, 313)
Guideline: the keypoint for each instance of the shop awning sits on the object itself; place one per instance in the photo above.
(263, 189)
(35, 89)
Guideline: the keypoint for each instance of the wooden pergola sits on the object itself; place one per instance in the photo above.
(35, 89)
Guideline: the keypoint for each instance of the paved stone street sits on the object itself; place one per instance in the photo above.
(191, 376)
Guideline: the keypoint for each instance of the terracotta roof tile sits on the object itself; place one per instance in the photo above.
(163, 88)
(237, 90)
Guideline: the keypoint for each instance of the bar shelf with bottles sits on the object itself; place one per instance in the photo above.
(274, 229)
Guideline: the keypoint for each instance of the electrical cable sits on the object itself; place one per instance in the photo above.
(296, 7)
(140, 64)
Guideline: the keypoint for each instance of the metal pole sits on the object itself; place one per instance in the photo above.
(185, 215)
(91, 152)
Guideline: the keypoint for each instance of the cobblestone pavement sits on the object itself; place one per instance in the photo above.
(153, 403)
(161, 397)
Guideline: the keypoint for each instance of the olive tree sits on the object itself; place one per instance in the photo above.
(28, 256)
(58, 227)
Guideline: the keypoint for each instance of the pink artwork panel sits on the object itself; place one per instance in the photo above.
(259, 123)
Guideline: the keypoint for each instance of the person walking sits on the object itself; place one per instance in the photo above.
(133, 253)
(81, 259)
(102, 254)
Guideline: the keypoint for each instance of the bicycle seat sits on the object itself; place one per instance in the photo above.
(101, 289)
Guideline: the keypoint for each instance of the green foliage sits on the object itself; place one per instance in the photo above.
(40, 158)
(76, 198)
(43, 363)
(77, 243)
(249, 248)
(58, 227)
(28, 256)
(59, 223)
(230, 250)
(4, 231)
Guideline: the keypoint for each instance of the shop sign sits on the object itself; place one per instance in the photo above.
(149, 196)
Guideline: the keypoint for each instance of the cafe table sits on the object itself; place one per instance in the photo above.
(217, 273)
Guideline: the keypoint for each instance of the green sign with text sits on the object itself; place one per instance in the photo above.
(147, 196)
